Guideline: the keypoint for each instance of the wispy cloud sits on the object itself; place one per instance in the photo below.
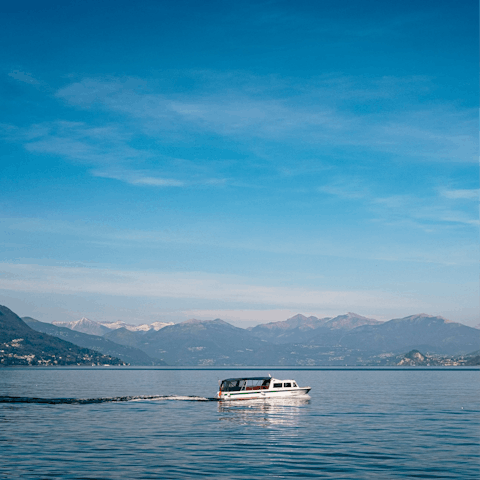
(195, 285)
(347, 187)
(79, 142)
(432, 210)
(427, 211)
(107, 149)
(324, 110)
(23, 77)
(232, 238)
(264, 117)
(227, 112)
(439, 134)
(462, 194)
(138, 178)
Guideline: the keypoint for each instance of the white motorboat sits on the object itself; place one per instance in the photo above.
(249, 388)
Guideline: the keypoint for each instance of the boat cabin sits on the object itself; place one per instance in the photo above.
(254, 383)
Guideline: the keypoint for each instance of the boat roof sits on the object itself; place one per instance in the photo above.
(245, 378)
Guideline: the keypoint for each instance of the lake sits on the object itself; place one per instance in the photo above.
(357, 424)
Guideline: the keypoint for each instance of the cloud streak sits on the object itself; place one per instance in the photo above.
(107, 149)
(288, 111)
(462, 194)
(23, 77)
(263, 116)
(140, 178)
(438, 208)
(226, 289)
(212, 235)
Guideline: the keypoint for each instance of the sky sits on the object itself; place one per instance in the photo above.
(248, 161)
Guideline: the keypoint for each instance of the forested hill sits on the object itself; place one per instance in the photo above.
(20, 345)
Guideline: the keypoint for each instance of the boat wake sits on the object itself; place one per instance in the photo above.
(83, 401)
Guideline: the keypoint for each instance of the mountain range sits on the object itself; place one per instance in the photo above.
(349, 339)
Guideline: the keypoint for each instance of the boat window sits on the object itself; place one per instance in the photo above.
(294, 384)
(257, 384)
(233, 386)
(287, 385)
(277, 385)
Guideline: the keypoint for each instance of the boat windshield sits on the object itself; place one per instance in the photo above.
(232, 385)
(238, 384)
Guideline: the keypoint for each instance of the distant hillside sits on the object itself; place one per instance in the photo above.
(122, 336)
(350, 321)
(195, 342)
(131, 355)
(414, 358)
(21, 345)
(301, 329)
(416, 332)
(474, 361)
(293, 330)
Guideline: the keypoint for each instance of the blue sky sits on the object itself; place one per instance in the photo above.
(241, 160)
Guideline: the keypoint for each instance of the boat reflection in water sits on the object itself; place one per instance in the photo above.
(264, 412)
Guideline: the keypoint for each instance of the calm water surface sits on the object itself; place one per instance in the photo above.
(358, 424)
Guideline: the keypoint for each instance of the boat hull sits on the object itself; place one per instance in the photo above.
(259, 394)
